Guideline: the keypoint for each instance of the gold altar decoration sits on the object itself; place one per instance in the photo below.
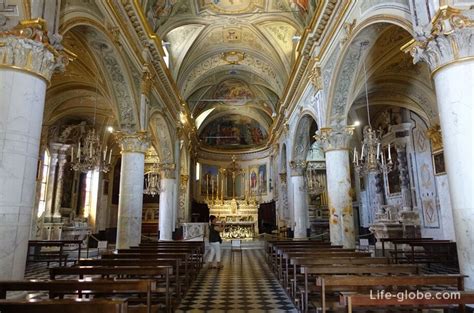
(240, 215)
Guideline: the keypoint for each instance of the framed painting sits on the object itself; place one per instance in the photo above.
(393, 177)
(438, 163)
(262, 179)
(208, 177)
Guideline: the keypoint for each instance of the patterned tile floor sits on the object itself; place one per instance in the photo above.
(244, 285)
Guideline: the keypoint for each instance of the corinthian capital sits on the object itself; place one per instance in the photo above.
(297, 167)
(26, 47)
(133, 142)
(448, 39)
(168, 170)
(336, 138)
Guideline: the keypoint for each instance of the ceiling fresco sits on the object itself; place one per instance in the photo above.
(228, 54)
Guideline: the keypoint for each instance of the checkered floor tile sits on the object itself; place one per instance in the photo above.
(244, 285)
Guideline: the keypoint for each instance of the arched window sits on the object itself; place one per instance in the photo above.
(92, 190)
(44, 182)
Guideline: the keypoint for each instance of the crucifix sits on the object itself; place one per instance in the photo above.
(235, 172)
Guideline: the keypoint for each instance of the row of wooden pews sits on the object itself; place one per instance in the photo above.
(321, 277)
(151, 277)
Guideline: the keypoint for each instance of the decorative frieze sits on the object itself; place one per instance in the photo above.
(133, 142)
(448, 39)
(26, 47)
(336, 138)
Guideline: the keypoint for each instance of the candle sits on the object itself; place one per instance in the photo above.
(389, 154)
(355, 155)
(72, 152)
(90, 151)
(378, 150)
(110, 156)
(362, 152)
(79, 151)
(357, 159)
(383, 159)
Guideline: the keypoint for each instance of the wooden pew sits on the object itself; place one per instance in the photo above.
(299, 261)
(322, 270)
(160, 273)
(341, 283)
(59, 255)
(60, 288)
(64, 306)
(428, 300)
(180, 275)
(400, 239)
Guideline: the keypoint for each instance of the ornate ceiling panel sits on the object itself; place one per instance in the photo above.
(231, 56)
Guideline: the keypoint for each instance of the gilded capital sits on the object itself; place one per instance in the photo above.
(133, 142)
(297, 167)
(146, 82)
(447, 39)
(168, 170)
(26, 47)
(336, 138)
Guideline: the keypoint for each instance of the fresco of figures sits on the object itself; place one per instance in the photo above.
(233, 131)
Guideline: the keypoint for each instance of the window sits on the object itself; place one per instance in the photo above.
(44, 182)
(92, 191)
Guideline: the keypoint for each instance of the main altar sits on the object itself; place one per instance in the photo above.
(239, 214)
(240, 217)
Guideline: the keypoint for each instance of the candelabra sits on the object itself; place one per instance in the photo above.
(372, 158)
(89, 156)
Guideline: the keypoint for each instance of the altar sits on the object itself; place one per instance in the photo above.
(240, 217)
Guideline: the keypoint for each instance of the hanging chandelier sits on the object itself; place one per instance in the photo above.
(88, 155)
(153, 181)
(372, 158)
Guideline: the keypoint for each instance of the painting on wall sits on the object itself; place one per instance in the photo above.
(158, 11)
(233, 92)
(253, 179)
(208, 177)
(233, 131)
(231, 6)
(262, 179)
(438, 162)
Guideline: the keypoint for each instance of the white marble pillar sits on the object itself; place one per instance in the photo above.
(300, 203)
(335, 142)
(450, 55)
(62, 160)
(129, 224)
(26, 66)
(167, 200)
(53, 163)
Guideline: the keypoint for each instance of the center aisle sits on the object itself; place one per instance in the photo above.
(241, 286)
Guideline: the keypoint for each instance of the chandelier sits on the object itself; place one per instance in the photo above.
(372, 158)
(88, 155)
(153, 181)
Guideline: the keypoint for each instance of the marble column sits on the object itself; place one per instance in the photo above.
(300, 203)
(62, 160)
(449, 51)
(167, 198)
(335, 142)
(53, 164)
(404, 176)
(26, 66)
(129, 224)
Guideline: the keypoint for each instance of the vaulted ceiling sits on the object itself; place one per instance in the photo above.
(231, 60)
